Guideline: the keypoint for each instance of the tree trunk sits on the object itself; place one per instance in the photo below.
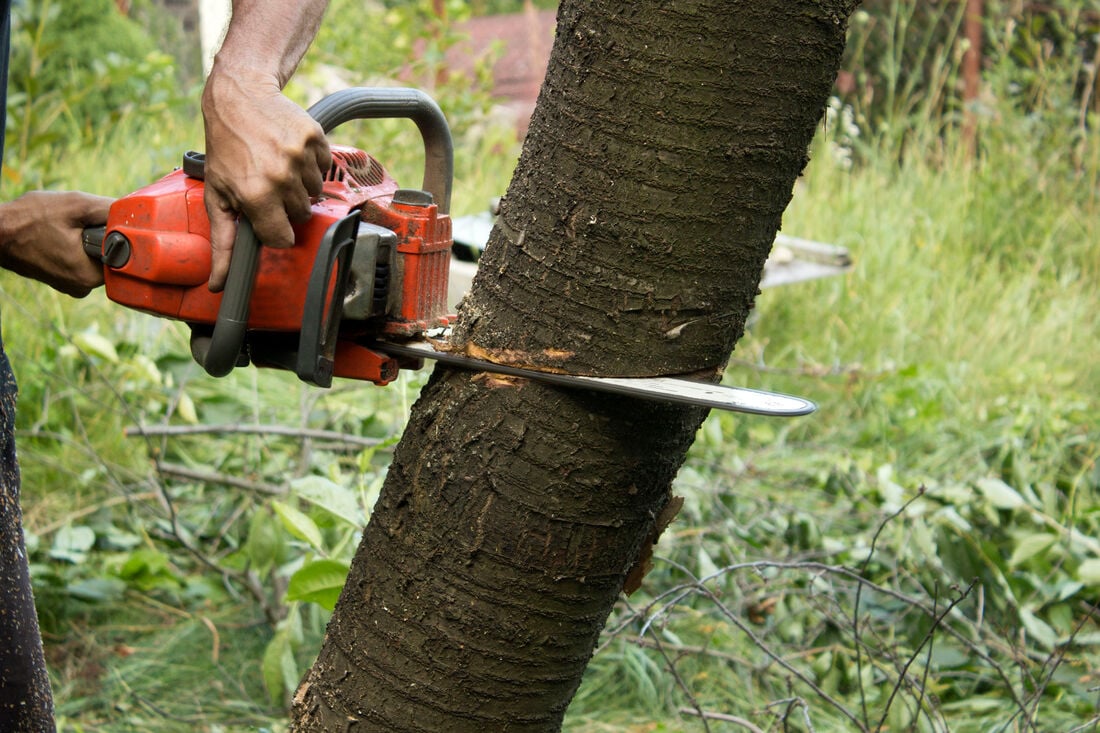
(663, 150)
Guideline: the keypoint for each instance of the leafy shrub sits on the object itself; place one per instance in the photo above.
(78, 67)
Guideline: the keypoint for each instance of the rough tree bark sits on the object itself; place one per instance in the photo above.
(662, 153)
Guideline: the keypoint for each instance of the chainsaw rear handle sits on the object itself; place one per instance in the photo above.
(218, 352)
(363, 103)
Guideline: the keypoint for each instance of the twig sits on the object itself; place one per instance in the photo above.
(216, 638)
(671, 666)
(923, 687)
(213, 477)
(673, 596)
(775, 657)
(859, 594)
(146, 431)
(184, 539)
(723, 717)
(112, 501)
(790, 703)
(688, 649)
(928, 636)
(1054, 659)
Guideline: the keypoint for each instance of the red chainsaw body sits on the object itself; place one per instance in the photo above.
(168, 265)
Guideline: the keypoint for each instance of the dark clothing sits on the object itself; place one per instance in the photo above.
(26, 705)
(25, 702)
(5, 42)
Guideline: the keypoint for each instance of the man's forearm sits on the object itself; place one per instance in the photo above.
(265, 156)
(269, 36)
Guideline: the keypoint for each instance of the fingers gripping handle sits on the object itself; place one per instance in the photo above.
(220, 352)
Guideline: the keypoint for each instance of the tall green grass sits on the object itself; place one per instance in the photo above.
(920, 553)
(953, 459)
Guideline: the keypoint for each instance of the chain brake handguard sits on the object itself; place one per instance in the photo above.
(312, 355)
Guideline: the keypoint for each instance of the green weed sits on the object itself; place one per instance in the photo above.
(921, 554)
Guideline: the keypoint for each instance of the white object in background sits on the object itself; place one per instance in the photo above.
(213, 20)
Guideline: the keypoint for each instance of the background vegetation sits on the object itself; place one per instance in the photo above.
(922, 554)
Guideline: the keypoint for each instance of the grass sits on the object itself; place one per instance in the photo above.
(920, 554)
(953, 456)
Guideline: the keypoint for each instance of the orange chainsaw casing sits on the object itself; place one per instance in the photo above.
(169, 260)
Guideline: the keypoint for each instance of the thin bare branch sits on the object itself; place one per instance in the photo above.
(214, 477)
(252, 429)
(723, 717)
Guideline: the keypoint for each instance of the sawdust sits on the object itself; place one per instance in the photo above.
(521, 359)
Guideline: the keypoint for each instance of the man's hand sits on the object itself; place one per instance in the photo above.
(265, 158)
(40, 238)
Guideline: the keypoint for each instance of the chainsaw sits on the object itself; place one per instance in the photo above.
(362, 293)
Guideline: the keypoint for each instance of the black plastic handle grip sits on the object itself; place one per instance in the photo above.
(92, 239)
(220, 354)
(362, 103)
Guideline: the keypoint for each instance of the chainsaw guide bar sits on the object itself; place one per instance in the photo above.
(661, 389)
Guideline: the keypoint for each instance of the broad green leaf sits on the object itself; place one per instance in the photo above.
(146, 367)
(1000, 494)
(1030, 546)
(185, 408)
(336, 499)
(706, 566)
(318, 582)
(892, 493)
(280, 671)
(1090, 639)
(266, 543)
(143, 561)
(118, 539)
(299, 525)
(1038, 629)
(1067, 588)
(1088, 572)
(71, 544)
(96, 345)
(97, 590)
(948, 657)
(976, 705)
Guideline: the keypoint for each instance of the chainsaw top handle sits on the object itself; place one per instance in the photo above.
(222, 352)
(361, 103)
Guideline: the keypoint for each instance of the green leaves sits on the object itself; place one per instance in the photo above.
(318, 581)
(72, 544)
(1088, 572)
(336, 499)
(280, 669)
(999, 494)
(299, 525)
(1029, 546)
